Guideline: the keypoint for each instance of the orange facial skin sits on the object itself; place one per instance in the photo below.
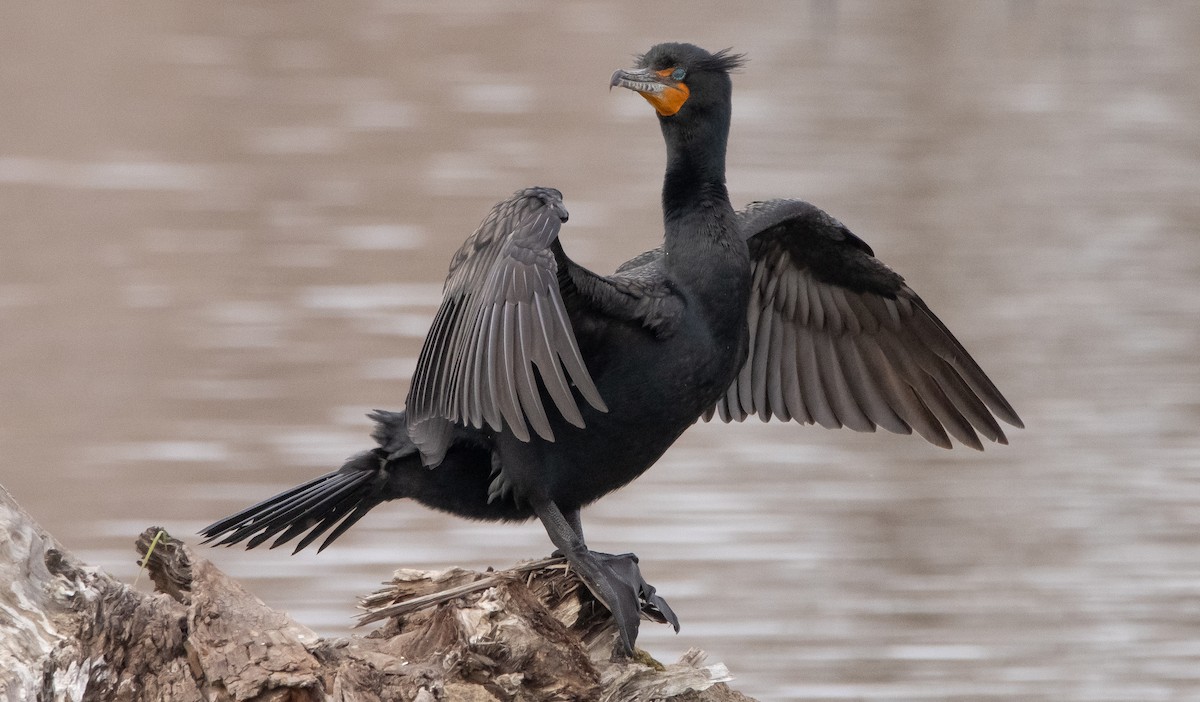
(668, 101)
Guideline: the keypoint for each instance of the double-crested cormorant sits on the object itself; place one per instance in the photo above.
(543, 386)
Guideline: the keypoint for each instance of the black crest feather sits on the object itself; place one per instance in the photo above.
(724, 60)
(671, 53)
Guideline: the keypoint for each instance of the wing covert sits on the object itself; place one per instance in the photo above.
(501, 317)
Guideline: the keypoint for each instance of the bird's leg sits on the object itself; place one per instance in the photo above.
(625, 566)
(572, 517)
(615, 580)
(618, 595)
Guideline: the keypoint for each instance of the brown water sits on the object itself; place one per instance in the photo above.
(224, 227)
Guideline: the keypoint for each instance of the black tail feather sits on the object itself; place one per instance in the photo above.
(336, 513)
(212, 531)
(334, 502)
(348, 522)
(302, 509)
(285, 511)
(360, 485)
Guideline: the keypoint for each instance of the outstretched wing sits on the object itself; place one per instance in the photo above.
(501, 315)
(837, 338)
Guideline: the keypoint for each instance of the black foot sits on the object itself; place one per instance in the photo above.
(615, 580)
(617, 583)
(625, 567)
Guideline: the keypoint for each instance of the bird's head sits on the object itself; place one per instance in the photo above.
(681, 80)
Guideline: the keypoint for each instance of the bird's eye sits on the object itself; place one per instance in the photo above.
(678, 73)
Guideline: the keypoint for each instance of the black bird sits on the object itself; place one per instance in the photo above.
(543, 386)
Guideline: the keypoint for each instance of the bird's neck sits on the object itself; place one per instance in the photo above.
(695, 177)
(703, 249)
(696, 209)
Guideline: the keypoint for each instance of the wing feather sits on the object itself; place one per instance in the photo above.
(506, 367)
(502, 334)
(741, 395)
(548, 365)
(761, 359)
(837, 388)
(527, 389)
(868, 394)
(791, 377)
(810, 383)
(837, 338)
(775, 402)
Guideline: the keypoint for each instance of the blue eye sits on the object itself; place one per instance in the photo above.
(678, 74)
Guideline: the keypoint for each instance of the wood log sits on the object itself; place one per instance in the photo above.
(531, 633)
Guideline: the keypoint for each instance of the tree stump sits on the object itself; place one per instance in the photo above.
(531, 633)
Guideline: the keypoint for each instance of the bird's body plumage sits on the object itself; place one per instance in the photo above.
(543, 386)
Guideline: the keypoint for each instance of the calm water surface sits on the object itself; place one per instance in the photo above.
(223, 229)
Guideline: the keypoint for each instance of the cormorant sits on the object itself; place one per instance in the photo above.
(543, 386)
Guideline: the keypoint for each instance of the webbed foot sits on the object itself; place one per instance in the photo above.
(625, 567)
(616, 581)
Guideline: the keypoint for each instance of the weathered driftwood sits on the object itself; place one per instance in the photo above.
(70, 632)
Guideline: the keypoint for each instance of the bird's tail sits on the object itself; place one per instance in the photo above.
(340, 498)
